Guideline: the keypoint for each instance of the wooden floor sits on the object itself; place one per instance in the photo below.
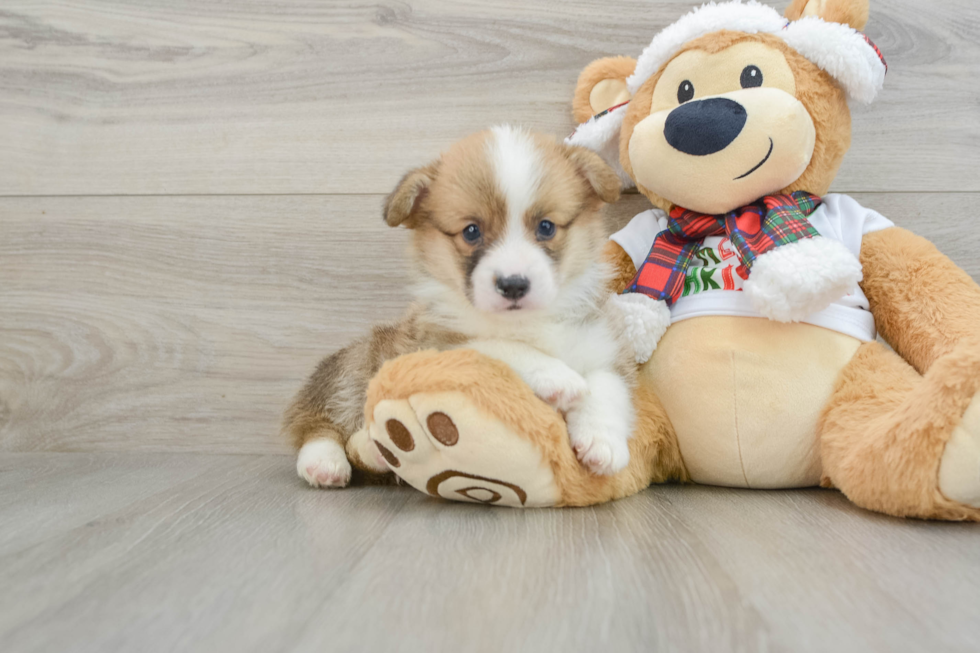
(190, 199)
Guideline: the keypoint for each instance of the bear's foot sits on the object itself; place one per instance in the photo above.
(904, 444)
(442, 444)
(463, 426)
(959, 471)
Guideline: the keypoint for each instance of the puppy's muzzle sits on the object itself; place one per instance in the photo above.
(513, 287)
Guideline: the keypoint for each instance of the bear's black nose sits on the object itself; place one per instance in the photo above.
(706, 126)
(513, 287)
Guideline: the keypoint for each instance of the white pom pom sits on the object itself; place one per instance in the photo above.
(645, 319)
(794, 281)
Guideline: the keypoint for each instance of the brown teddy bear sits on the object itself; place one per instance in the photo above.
(734, 123)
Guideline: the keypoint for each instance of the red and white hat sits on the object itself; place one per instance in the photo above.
(844, 53)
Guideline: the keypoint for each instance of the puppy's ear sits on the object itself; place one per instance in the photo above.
(403, 204)
(603, 180)
(846, 12)
(602, 85)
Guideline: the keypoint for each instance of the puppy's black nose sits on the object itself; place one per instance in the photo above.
(513, 287)
(706, 126)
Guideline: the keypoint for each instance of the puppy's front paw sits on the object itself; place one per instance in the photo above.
(598, 449)
(323, 463)
(559, 386)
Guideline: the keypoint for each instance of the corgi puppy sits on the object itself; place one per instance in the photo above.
(507, 233)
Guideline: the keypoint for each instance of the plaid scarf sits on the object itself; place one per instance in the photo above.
(754, 230)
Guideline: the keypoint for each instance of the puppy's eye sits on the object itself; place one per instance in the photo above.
(472, 234)
(546, 230)
(685, 92)
(751, 77)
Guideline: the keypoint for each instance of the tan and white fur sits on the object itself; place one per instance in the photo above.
(507, 234)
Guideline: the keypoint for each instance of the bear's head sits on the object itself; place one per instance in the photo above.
(732, 103)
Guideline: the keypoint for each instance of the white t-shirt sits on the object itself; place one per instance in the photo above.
(716, 270)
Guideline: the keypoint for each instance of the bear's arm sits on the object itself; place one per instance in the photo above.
(923, 303)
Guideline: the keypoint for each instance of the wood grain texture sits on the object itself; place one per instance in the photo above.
(185, 324)
(144, 339)
(233, 553)
(164, 323)
(299, 96)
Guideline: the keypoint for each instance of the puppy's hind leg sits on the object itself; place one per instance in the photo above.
(321, 460)
(326, 413)
(322, 463)
(326, 419)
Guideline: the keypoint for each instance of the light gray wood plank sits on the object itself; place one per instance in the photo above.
(295, 96)
(244, 557)
(227, 560)
(165, 323)
(807, 559)
(185, 324)
(45, 494)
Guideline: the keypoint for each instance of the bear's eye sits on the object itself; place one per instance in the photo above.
(685, 92)
(751, 77)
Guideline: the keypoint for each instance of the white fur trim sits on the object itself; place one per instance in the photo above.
(750, 18)
(841, 51)
(645, 320)
(838, 49)
(601, 135)
(794, 281)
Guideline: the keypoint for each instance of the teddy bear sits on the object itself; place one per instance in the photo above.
(733, 122)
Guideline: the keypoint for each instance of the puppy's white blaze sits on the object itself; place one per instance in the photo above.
(516, 167)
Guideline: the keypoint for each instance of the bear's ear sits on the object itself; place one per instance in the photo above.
(602, 85)
(604, 181)
(403, 204)
(846, 12)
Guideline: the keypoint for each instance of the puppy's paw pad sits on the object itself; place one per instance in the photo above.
(563, 399)
(563, 390)
(323, 463)
(599, 454)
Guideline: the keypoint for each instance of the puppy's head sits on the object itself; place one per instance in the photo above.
(506, 220)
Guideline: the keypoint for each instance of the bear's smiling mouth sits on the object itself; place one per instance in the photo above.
(761, 163)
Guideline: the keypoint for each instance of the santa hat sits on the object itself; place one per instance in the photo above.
(844, 53)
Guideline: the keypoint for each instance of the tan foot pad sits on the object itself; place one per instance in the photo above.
(443, 445)
(959, 471)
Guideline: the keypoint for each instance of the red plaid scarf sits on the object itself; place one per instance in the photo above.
(754, 230)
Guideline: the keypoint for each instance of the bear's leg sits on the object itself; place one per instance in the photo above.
(904, 444)
(463, 426)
